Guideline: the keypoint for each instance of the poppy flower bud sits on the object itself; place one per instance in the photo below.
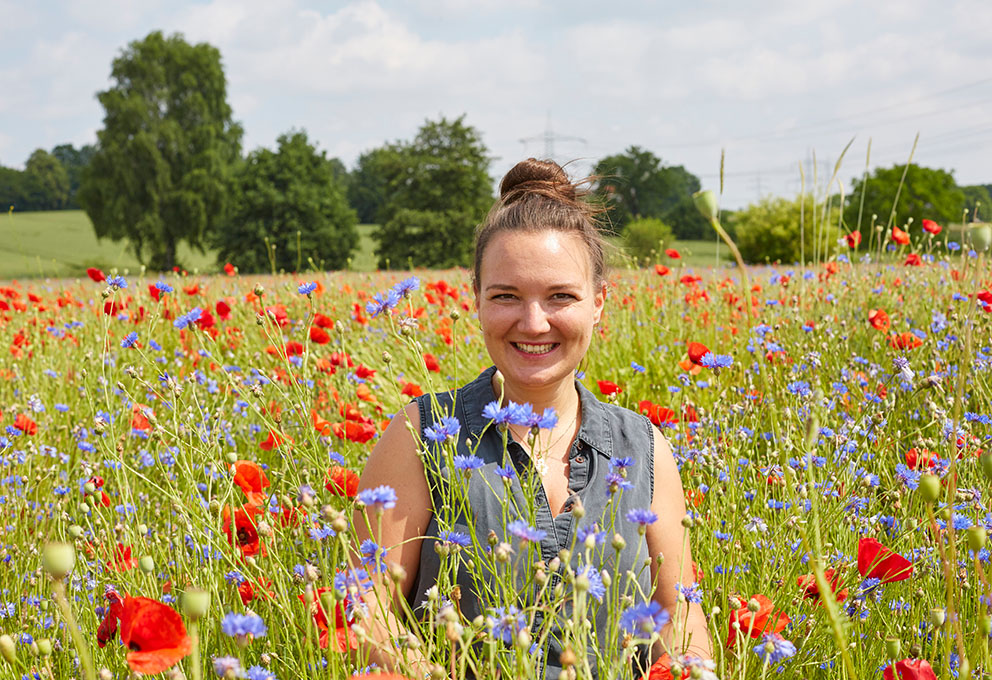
(980, 235)
(753, 605)
(567, 658)
(58, 559)
(937, 617)
(7, 648)
(44, 646)
(706, 204)
(987, 465)
(196, 603)
(524, 639)
(75, 531)
(893, 648)
(929, 488)
(977, 538)
(985, 625)
(89, 487)
(146, 564)
(687, 522)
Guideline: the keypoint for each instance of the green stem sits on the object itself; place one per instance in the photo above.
(58, 588)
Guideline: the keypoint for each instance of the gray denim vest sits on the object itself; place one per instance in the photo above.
(606, 431)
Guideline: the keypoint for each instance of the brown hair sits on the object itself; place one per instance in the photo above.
(537, 196)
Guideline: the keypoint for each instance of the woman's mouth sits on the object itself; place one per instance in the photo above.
(527, 348)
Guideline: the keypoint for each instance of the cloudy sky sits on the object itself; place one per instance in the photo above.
(774, 83)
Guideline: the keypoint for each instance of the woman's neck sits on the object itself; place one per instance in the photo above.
(563, 397)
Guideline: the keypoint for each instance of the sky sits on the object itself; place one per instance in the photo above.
(774, 85)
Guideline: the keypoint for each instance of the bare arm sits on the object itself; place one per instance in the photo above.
(399, 530)
(668, 538)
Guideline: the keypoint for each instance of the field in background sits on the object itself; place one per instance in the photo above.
(61, 244)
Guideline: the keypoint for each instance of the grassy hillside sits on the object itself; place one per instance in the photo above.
(61, 244)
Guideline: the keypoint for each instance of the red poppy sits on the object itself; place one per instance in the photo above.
(672, 253)
(899, 236)
(696, 352)
(660, 669)
(811, 590)
(853, 239)
(278, 312)
(364, 372)
(607, 388)
(275, 440)
(319, 336)
(321, 424)
(342, 482)
(910, 669)
(877, 561)
(411, 389)
(913, 260)
(246, 590)
(25, 424)
(229, 269)
(108, 627)
(322, 321)
(252, 480)
(354, 431)
(931, 227)
(904, 340)
(245, 531)
(430, 361)
(878, 319)
(661, 270)
(294, 348)
(765, 620)
(121, 559)
(96, 274)
(113, 307)
(223, 310)
(657, 414)
(916, 460)
(344, 638)
(154, 633)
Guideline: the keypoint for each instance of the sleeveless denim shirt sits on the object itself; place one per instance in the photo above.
(606, 431)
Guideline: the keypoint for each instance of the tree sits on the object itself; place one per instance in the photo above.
(288, 199)
(49, 179)
(437, 186)
(927, 193)
(74, 161)
(645, 238)
(368, 183)
(161, 171)
(13, 190)
(780, 230)
(637, 184)
(977, 202)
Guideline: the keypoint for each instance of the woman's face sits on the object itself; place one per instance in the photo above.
(537, 305)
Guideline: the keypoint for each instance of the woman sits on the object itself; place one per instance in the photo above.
(539, 283)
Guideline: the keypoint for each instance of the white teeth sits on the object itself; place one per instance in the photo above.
(533, 349)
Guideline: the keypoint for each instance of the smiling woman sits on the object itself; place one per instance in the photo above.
(545, 470)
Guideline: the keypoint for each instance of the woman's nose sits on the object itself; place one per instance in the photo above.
(534, 319)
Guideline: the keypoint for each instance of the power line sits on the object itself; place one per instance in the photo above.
(549, 137)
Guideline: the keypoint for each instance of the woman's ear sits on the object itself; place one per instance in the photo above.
(599, 301)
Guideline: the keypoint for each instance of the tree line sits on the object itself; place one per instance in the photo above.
(168, 168)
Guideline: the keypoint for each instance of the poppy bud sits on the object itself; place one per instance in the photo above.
(7, 648)
(44, 647)
(753, 605)
(146, 564)
(567, 658)
(196, 603)
(987, 465)
(687, 521)
(929, 488)
(980, 235)
(232, 457)
(58, 559)
(75, 531)
(937, 617)
(985, 625)
(706, 204)
(977, 537)
(89, 487)
(142, 529)
(893, 648)
(524, 639)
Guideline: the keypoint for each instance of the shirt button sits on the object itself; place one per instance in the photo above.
(580, 459)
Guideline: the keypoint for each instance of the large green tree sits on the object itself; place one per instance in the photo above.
(636, 184)
(368, 183)
(160, 175)
(74, 161)
(50, 180)
(978, 202)
(438, 188)
(927, 193)
(288, 206)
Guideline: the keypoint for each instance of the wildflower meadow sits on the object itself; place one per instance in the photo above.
(180, 459)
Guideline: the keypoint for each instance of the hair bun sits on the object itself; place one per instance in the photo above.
(545, 178)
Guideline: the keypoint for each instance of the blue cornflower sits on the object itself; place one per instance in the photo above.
(645, 619)
(189, 317)
(307, 288)
(243, 625)
(234, 577)
(506, 472)
(710, 360)
(621, 462)
(953, 246)
(406, 286)
(594, 582)
(373, 556)
(692, 592)
(960, 522)
(504, 624)
(774, 648)
(259, 673)
(381, 497)
(641, 516)
(117, 282)
(616, 482)
(228, 667)
(446, 429)
(129, 340)
(800, 388)
(591, 530)
(637, 367)
(910, 478)
(456, 538)
(525, 532)
(163, 287)
(382, 302)
(467, 463)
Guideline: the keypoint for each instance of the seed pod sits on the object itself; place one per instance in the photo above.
(7, 649)
(893, 648)
(977, 538)
(58, 559)
(929, 488)
(196, 603)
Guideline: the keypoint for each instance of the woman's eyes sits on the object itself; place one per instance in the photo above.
(560, 297)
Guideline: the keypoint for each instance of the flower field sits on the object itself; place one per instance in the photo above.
(180, 461)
